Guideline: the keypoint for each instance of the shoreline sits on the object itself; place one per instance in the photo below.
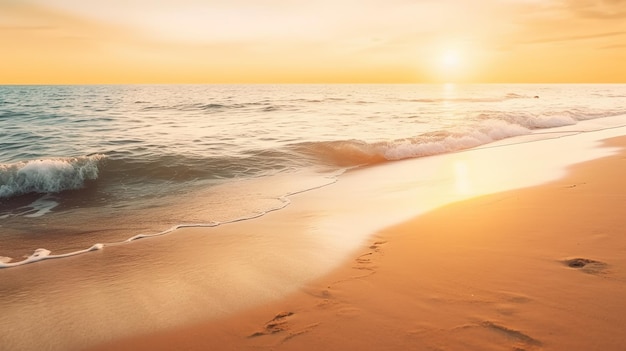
(37, 253)
(528, 269)
(202, 274)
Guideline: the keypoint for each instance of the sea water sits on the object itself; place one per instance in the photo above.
(309, 173)
(83, 167)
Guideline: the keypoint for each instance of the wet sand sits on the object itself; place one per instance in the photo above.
(541, 268)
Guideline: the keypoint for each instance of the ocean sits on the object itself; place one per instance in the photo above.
(83, 167)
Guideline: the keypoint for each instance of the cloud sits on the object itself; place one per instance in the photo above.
(612, 47)
(19, 28)
(574, 37)
(41, 21)
(578, 24)
(598, 9)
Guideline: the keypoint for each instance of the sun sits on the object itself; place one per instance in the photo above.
(449, 64)
(450, 59)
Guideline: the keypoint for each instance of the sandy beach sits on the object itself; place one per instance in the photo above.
(320, 175)
(540, 268)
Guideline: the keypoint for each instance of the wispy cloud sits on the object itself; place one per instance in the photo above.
(574, 37)
(611, 47)
(598, 9)
(26, 28)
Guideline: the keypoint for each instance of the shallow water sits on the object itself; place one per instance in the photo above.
(81, 165)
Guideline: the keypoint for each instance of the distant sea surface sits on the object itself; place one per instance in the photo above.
(96, 165)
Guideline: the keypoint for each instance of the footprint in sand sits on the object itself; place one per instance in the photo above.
(275, 325)
(515, 335)
(586, 265)
(364, 262)
(280, 324)
(493, 336)
(376, 246)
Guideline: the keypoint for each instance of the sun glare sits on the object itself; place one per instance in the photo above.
(450, 65)
(451, 59)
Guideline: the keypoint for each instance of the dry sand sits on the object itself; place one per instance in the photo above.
(542, 268)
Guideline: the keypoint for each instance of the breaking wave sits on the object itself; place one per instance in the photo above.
(51, 175)
(492, 126)
(347, 153)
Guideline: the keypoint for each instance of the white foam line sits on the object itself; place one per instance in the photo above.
(44, 254)
(559, 135)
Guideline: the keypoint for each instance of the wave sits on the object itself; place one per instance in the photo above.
(509, 96)
(51, 175)
(551, 119)
(490, 127)
(136, 173)
(264, 106)
(516, 96)
(348, 153)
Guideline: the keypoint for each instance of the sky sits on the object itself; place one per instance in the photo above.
(304, 41)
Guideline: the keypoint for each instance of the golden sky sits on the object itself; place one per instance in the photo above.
(305, 41)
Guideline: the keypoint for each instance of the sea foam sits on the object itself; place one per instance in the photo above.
(357, 152)
(51, 175)
(43, 254)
